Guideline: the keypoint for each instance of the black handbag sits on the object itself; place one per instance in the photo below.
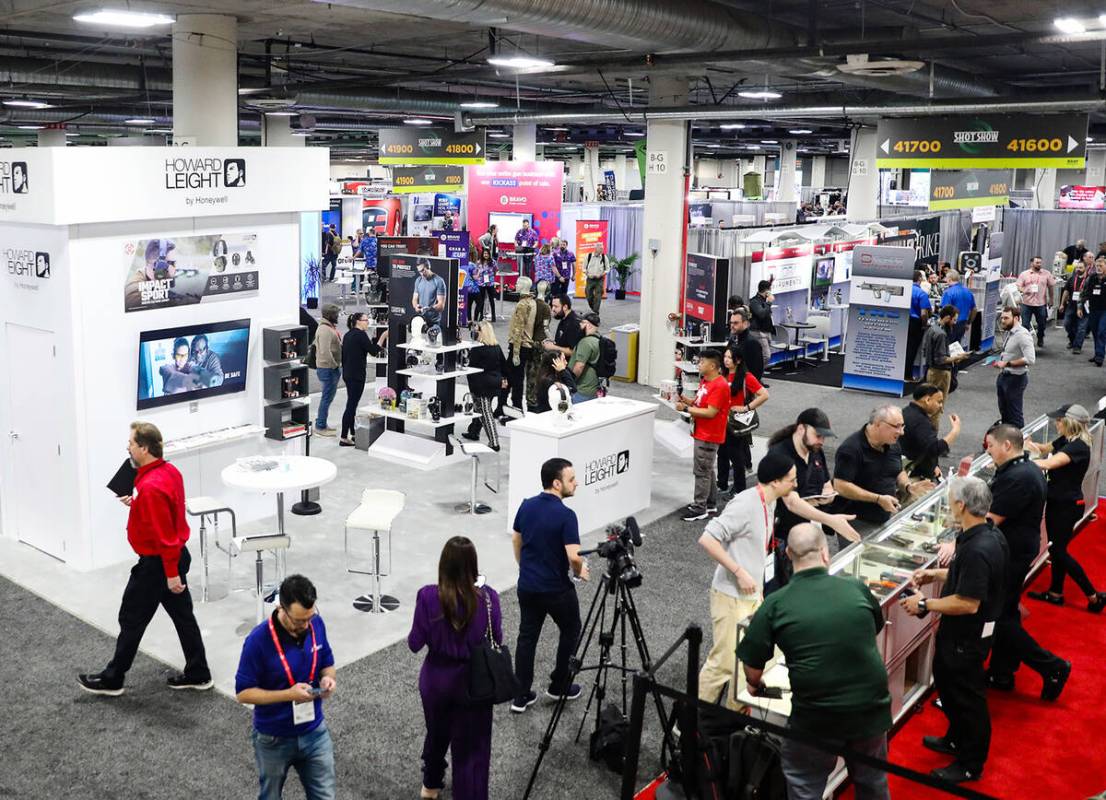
(491, 675)
(742, 423)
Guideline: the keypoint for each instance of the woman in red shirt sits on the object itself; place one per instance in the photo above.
(746, 393)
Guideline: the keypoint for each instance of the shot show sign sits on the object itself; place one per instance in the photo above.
(431, 146)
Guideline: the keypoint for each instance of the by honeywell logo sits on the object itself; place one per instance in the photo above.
(205, 173)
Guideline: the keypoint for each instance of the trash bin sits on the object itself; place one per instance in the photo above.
(625, 339)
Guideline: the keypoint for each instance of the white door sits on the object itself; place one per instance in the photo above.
(34, 432)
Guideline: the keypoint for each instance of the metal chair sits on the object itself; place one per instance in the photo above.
(272, 542)
(781, 341)
(204, 507)
(379, 507)
(818, 335)
(475, 450)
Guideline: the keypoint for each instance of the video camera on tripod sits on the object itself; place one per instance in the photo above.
(618, 549)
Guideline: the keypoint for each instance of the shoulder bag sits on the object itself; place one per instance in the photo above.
(491, 677)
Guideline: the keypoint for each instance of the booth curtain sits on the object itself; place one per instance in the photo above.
(1037, 232)
(625, 229)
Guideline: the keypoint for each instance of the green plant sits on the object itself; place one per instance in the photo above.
(624, 268)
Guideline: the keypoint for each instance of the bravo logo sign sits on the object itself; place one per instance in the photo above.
(205, 173)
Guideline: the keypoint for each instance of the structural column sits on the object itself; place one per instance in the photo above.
(1045, 181)
(524, 144)
(785, 181)
(863, 199)
(818, 172)
(593, 176)
(620, 172)
(662, 259)
(276, 131)
(51, 138)
(1096, 168)
(205, 80)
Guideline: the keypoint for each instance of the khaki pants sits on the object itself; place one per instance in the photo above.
(593, 290)
(725, 613)
(942, 379)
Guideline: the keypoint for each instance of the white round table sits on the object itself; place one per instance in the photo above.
(292, 474)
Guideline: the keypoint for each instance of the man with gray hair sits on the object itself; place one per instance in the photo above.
(826, 627)
(970, 602)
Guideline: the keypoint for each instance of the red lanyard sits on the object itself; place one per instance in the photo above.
(284, 661)
(764, 504)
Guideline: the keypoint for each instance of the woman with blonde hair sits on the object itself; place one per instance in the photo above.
(1066, 460)
(486, 386)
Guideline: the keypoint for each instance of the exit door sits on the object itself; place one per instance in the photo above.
(35, 402)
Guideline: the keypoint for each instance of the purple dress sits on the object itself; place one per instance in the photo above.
(450, 724)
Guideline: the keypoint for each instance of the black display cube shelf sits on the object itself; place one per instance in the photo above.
(284, 343)
(285, 382)
(288, 420)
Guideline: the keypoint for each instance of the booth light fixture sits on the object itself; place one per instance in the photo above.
(520, 62)
(799, 131)
(31, 127)
(417, 121)
(35, 104)
(558, 129)
(122, 18)
(480, 104)
(634, 133)
(71, 133)
(1069, 25)
(140, 121)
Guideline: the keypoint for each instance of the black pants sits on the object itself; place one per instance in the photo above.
(1010, 390)
(146, 590)
(516, 376)
(354, 390)
(1013, 646)
(564, 608)
(913, 341)
(477, 307)
(332, 260)
(1060, 519)
(961, 683)
(733, 452)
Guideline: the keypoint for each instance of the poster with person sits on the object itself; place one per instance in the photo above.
(185, 270)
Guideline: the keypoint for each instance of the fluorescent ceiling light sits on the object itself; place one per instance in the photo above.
(760, 94)
(31, 127)
(72, 134)
(769, 141)
(140, 121)
(1069, 25)
(558, 129)
(480, 104)
(733, 126)
(36, 104)
(302, 133)
(417, 121)
(520, 62)
(281, 113)
(123, 19)
(158, 130)
(499, 136)
(801, 131)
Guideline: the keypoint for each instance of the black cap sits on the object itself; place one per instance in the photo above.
(591, 317)
(774, 466)
(816, 418)
(1072, 411)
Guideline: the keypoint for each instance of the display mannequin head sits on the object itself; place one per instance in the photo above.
(523, 286)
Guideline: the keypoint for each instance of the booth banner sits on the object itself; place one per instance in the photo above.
(447, 212)
(879, 316)
(950, 189)
(705, 278)
(188, 269)
(382, 215)
(1019, 141)
(787, 267)
(387, 246)
(590, 235)
(420, 214)
(1091, 197)
(431, 146)
(365, 188)
(993, 260)
(454, 244)
(516, 187)
(699, 213)
(923, 233)
(427, 179)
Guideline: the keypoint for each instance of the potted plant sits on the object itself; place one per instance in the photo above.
(624, 268)
(311, 282)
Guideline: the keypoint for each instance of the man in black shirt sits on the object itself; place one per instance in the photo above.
(971, 601)
(569, 328)
(1018, 493)
(1074, 252)
(1096, 306)
(760, 306)
(749, 347)
(919, 441)
(802, 443)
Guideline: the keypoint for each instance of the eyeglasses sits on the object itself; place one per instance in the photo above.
(897, 426)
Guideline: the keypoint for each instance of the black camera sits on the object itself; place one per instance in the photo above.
(618, 549)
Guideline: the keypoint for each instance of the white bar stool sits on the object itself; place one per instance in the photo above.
(473, 450)
(272, 542)
(379, 507)
(344, 281)
(204, 507)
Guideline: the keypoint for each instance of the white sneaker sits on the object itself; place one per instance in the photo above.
(326, 431)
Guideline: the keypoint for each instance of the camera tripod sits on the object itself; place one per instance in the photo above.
(610, 585)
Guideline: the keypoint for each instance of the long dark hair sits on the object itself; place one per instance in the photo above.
(782, 434)
(457, 571)
(547, 375)
(351, 320)
(737, 382)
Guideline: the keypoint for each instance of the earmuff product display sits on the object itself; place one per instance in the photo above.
(249, 257)
(434, 406)
(412, 359)
(463, 359)
(235, 259)
(466, 404)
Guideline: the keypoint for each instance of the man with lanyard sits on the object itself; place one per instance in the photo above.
(570, 328)
(970, 602)
(1096, 306)
(920, 308)
(1035, 285)
(285, 672)
(526, 240)
(1018, 493)
(565, 260)
(1073, 302)
(960, 296)
(940, 366)
(157, 532)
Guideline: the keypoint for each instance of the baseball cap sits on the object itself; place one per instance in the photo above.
(816, 418)
(1072, 411)
(773, 466)
(592, 317)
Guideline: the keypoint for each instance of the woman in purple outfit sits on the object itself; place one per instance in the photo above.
(450, 619)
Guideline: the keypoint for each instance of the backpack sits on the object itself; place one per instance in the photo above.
(755, 768)
(607, 364)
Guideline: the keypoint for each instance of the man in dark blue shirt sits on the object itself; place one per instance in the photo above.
(547, 545)
(960, 296)
(285, 672)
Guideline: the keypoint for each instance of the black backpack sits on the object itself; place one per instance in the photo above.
(607, 364)
(755, 768)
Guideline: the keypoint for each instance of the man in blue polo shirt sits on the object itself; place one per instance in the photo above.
(547, 545)
(920, 309)
(960, 296)
(285, 672)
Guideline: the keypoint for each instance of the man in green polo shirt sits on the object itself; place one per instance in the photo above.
(826, 626)
(584, 359)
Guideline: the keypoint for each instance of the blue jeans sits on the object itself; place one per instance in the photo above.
(1097, 326)
(328, 377)
(1011, 389)
(581, 398)
(1075, 326)
(311, 754)
(1038, 313)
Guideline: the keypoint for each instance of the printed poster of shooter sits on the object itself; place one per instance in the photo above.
(185, 270)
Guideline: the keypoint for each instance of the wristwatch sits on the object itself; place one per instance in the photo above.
(923, 609)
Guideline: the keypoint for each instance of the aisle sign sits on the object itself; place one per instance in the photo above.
(431, 146)
(1020, 141)
(949, 189)
(408, 180)
(657, 163)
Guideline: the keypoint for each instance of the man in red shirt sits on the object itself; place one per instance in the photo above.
(708, 411)
(157, 532)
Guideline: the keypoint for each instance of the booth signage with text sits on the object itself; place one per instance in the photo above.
(923, 234)
(787, 267)
(382, 215)
(1020, 141)
(993, 259)
(706, 278)
(431, 146)
(879, 316)
(407, 180)
(949, 189)
(591, 234)
(1086, 197)
(185, 270)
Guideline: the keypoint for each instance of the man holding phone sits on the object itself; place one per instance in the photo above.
(285, 672)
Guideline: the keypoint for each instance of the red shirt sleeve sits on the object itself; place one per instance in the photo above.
(159, 515)
(752, 385)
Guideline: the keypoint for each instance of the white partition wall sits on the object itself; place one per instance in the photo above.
(65, 333)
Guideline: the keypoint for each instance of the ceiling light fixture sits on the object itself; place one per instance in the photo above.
(800, 131)
(163, 131)
(760, 94)
(140, 121)
(769, 141)
(520, 62)
(120, 18)
(1069, 25)
(281, 113)
(31, 127)
(480, 104)
(499, 136)
(558, 129)
(35, 104)
(418, 121)
(733, 126)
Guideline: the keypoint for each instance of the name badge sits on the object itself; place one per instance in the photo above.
(1096, 290)
(1032, 288)
(769, 567)
(305, 712)
(988, 630)
(1075, 297)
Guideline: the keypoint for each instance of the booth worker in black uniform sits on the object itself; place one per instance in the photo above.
(920, 443)
(975, 586)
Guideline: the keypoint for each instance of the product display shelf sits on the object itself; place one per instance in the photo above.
(697, 341)
(285, 381)
(688, 367)
(287, 412)
(401, 415)
(438, 376)
(188, 444)
(669, 404)
(283, 343)
(289, 420)
(438, 348)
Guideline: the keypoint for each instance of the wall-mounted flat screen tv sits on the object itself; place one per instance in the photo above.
(176, 365)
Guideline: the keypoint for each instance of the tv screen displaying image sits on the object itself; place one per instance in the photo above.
(423, 213)
(508, 224)
(177, 365)
(823, 271)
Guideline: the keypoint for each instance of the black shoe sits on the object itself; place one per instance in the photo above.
(1095, 606)
(1097, 363)
(95, 684)
(939, 744)
(1047, 597)
(494, 448)
(1054, 683)
(472, 437)
(571, 693)
(182, 681)
(1091, 359)
(956, 773)
(346, 443)
(694, 513)
(520, 704)
(1003, 683)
